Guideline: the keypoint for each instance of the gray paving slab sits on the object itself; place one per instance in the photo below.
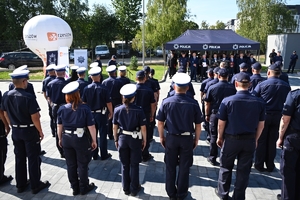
(107, 176)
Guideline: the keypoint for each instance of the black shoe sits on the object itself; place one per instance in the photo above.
(278, 196)
(22, 189)
(76, 192)
(96, 157)
(212, 162)
(42, 186)
(147, 158)
(53, 135)
(126, 192)
(5, 179)
(135, 193)
(260, 169)
(62, 156)
(42, 152)
(105, 158)
(225, 198)
(183, 197)
(89, 188)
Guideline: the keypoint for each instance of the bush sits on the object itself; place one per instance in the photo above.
(133, 63)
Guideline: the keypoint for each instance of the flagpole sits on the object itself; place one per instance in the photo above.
(143, 54)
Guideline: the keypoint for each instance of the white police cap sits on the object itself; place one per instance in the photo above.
(94, 64)
(81, 70)
(19, 74)
(128, 90)
(60, 68)
(50, 67)
(70, 87)
(95, 71)
(122, 68)
(74, 67)
(181, 79)
(23, 67)
(111, 68)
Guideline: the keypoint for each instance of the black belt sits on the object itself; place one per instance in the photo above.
(240, 137)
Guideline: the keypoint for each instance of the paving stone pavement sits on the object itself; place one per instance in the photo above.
(107, 174)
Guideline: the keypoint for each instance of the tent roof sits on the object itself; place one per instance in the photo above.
(211, 40)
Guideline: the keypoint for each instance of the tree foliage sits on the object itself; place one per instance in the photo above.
(204, 25)
(259, 18)
(219, 25)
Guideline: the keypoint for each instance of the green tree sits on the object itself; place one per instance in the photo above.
(190, 25)
(259, 18)
(204, 25)
(128, 15)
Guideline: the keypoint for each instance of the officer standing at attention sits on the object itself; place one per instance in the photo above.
(273, 91)
(237, 137)
(289, 141)
(293, 61)
(112, 61)
(194, 64)
(145, 98)
(283, 76)
(74, 75)
(131, 139)
(56, 98)
(122, 75)
(179, 115)
(271, 56)
(256, 78)
(51, 76)
(97, 97)
(212, 82)
(73, 119)
(21, 110)
(4, 131)
(278, 57)
(244, 69)
(95, 64)
(213, 98)
(81, 75)
(113, 85)
(98, 61)
(183, 62)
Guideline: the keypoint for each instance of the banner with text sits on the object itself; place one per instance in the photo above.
(63, 59)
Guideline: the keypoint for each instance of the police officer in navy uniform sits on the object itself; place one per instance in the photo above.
(51, 76)
(283, 75)
(212, 82)
(145, 98)
(237, 137)
(181, 117)
(113, 85)
(22, 112)
(81, 75)
(97, 97)
(112, 61)
(271, 56)
(293, 61)
(194, 64)
(95, 64)
(73, 120)
(183, 62)
(273, 91)
(289, 141)
(151, 77)
(56, 98)
(131, 139)
(98, 61)
(213, 98)
(256, 78)
(243, 68)
(4, 131)
(122, 75)
(239, 61)
(278, 57)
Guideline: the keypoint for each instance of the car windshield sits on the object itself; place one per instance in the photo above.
(101, 48)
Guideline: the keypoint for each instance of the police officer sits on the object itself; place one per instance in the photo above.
(74, 75)
(56, 98)
(183, 62)
(179, 122)
(73, 119)
(145, 98)
(99, 61)
(4, 131)
(97, 97)
(283, 75)
(22, 112)
(256, 78)
(212, 82)
(289, 141)
(51, 76)
(293, 61)
(237, 136)
(112, 61)
(113, 85)
(271, 56)
(239, 61)
(213, 98)
(278, 57)
(273, 91)
(190, 92)
(81, 75)
(244, 69)
(131, 138)
(122, 75)
(194, 64)
(95, 64)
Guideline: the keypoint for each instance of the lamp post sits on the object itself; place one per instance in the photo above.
(143, 35)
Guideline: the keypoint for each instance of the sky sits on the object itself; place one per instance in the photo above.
(210, 11)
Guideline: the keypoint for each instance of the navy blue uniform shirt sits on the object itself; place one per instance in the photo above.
(54, 90)
(283, 76)
(29, 88)
(47, 80)
(71, 119)
(151, 84)
(124, 80)
(255, 79)
(194, 61)
(203, 84)
(144, 97)
(99, 63)
(130, 120)
(233, 78)
(210, 83)
(294, 58)
(82, 85)
(242, 112)
(113, 85)
(179, 113)
(156, 83)
(273, 91)
(96, 96)
(112, 62)
(278, 58)
(183, 61)
(190, 92)
(19, 105)
(292, 108)
(217, 92)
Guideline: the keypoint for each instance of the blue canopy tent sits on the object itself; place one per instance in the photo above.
(211, 40)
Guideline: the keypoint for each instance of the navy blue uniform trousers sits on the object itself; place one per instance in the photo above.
(52, 121)
(213, 129)
(27, 144)
(3, 149)
(54, 114)
(178, 151)
(130, 154)
(101, 127)
(149, 129)
(193, 73)
(243, 150)
(78, 155)
(290, 166)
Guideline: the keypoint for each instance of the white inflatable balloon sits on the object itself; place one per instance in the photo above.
(44, 33)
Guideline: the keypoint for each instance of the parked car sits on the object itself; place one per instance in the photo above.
(102, 51)
(148, 52)
(123, 51)
(159, 52)
(12, 60)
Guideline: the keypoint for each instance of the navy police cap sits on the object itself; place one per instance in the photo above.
(242, 77)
